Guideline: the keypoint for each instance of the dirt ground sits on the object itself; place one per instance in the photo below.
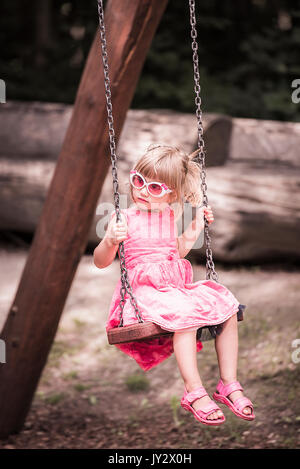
(91, 395)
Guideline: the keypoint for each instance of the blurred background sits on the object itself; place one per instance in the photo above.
(249, 55)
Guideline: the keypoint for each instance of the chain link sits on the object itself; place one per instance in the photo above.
(126, 287)
(210, 268)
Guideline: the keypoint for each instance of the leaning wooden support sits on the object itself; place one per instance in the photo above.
(61, 236)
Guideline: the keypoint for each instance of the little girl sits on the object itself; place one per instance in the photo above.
(162, 281)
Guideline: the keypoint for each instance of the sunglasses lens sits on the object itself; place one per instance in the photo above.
(137, 181)
(155, 189)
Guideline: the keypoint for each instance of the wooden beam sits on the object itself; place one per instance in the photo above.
(61, 236)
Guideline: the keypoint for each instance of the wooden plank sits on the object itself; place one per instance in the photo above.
(136, 332)
(62, 232)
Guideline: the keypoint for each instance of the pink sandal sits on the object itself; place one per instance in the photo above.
(201, 415)
(237, 406)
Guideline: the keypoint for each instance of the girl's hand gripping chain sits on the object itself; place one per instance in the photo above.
(106, 251)
(186, 241)
(206, 212)
(116, 231)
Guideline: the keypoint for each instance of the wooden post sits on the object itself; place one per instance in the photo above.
(61, 236)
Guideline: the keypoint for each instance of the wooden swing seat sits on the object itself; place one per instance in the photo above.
(135, 332)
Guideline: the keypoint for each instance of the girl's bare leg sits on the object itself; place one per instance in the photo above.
(185, 350)
(226, 345)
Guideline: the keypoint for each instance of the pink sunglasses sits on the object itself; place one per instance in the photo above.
(156, 189)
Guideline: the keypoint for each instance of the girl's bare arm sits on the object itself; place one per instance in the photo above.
(106, 250)
(105, 253)
(186, 241)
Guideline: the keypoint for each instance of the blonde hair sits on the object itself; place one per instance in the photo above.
(173, 166)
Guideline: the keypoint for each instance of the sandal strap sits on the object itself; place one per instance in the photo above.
(227, 389)
(242, 402)
(190, 397)
(209, 408)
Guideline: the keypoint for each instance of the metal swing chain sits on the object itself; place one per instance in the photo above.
(126, 287)
(210, 268)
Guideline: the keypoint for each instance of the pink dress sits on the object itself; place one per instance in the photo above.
(163, 286)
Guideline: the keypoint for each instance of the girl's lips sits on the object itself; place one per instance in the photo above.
(142, 199)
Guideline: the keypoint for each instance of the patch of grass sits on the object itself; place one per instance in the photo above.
(290, 443)
(251, 328)
(54, 399)
(70, 375)
(103, 348)
(79, 323)
(145, 404)
(234, 429)
(39, 395)
(133, 420)
(92, 400)
(81, 387)
(287, 379)
(137, 382)
(57, 350)
(61, 348)
(175, 406)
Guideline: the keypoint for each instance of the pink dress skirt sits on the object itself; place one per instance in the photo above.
(162, 284)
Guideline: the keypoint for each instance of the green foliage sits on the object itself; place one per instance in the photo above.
(175, 406)
(247, 55)
(137, 382)
(55, 398)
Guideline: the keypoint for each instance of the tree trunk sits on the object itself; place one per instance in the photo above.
(43, 30)
(61, 236)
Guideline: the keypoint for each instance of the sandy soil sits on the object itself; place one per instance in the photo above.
(91, 395)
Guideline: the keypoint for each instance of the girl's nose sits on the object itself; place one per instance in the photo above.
(144, 192)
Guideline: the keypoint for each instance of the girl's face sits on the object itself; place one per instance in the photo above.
(145, 201)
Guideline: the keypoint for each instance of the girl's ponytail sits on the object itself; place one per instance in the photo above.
(192, 185)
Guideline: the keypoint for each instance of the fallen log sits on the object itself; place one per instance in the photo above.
(39, 130)
(248, 191)
(256, 210)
